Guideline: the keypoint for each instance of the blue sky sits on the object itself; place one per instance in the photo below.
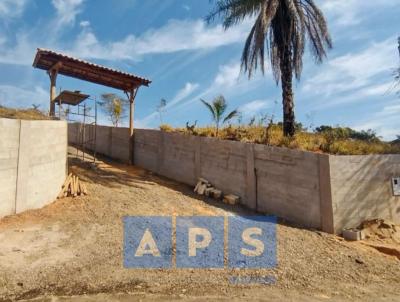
(168, 42)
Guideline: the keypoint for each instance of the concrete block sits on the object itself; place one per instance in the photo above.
(353, 234)
(231, 199)
(216, 194)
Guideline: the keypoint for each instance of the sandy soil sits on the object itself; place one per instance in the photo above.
(71, 250)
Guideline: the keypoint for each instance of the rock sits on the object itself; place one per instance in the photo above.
(231, 199)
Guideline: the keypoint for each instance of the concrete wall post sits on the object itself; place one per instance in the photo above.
(161, 150)
(251, 181)
(197, 158)
(326, 207)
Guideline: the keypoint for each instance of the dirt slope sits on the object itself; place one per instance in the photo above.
(74, 247)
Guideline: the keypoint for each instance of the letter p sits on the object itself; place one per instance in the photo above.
(194, 244)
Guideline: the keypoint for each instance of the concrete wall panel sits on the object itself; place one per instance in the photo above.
(361, 189)
(271, 180)
(314, 190)
(9, 148)
(33, 163)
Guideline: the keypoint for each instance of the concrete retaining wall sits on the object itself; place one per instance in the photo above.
(110, 141)
(362, 189)
(315, 190)
(33, 163)
(272, 180)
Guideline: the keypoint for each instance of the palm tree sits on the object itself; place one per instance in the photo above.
(217, 109)
(280, 30)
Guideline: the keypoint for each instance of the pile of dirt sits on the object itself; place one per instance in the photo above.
(380, 229)
(22, 114)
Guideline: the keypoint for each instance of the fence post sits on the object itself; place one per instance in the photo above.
(197, 158)
(160, 155)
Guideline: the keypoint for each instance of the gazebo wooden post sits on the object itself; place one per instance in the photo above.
(131, 94)
(53, 72)
(53, 80)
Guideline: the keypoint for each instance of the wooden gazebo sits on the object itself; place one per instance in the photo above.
(57, 63)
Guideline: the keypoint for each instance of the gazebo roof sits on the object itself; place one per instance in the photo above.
(70, 97)
(69, 66)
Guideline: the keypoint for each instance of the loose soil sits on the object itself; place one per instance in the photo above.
(71, 250)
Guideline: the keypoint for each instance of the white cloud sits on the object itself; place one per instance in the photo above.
(355, 74)
(229, 82)
(21, 54)
(26, 41)
(175, 36)
(13, 96)
(385, 121)
(228, 75)
(67, 10)
(254, 107)
(84, 23)
(12, 8)
(2, 40)
(345, 13)
(183, 93)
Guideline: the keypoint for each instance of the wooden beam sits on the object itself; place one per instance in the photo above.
(53, 91)
(131, 96)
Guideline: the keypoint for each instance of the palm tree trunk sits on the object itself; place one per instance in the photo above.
(287, 93)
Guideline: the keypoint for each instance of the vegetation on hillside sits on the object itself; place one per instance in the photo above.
(324, 139)
(279, 32)
(23, 114)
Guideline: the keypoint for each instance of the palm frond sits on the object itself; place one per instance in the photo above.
(231, 115)
(234, 11)
(210, 108)
(280, 25)
(219, 105)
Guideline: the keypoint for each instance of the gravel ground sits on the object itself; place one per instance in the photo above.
(71, 250)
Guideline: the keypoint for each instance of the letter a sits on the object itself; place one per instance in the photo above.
(147, 246)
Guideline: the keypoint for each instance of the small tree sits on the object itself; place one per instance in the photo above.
(161, 108)
(36, 107)
(114, 106)
(217, 109)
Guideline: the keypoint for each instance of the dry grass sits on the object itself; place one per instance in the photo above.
(308, 141)
(23, 114)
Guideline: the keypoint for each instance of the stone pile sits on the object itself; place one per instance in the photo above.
(205, 188)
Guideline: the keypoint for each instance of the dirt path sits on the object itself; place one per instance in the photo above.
(74, 247)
